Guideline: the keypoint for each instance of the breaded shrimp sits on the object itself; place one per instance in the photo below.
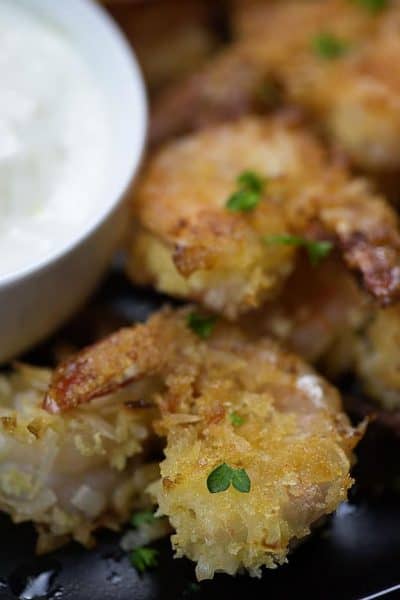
(187, 243)
(72, 473)
(225, 88)
(289, 24)
(319, 308)
(354, 96)
(377, 357)
(333, 59)
(237, 400)
(322, 315)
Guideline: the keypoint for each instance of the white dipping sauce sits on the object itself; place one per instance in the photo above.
(54, 137)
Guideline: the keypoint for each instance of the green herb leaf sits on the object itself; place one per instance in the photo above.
(144, 558)
(251, 181)
(316, 250)
(219, 479)
(236, 419)
(241, 481)
(249, 193)
(243, 201)
(374, 6)
(201, 325)
(328, 46)
(223, 476)
(143, 517)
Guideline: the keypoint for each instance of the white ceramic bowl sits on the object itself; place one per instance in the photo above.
(36, 300)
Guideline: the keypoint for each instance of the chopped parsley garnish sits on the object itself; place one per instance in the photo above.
(374, 6)
(201, 325)
(143, 517)
(243, 201)
(251, 181)
(144, 558)
(249, 192)
(236, 419)
(223, 476)
(241, 481)
(329, 46)
(316, 250)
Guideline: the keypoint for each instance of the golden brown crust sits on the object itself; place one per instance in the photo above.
(318, 308)
(166, 347)
(377, 361)
(222, 90)
(103, 367)
(289, 24)
(188, 244)
(353, 98)
(293, 441)
(298, 473)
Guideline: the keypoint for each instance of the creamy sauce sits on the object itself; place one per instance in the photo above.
(53, 139)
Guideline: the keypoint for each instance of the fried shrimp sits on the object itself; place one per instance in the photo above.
(74, 472)
(377, 360)
(318, 310)
(333, 59)
(269, 36)
(224, 89)
(341, 72)
(188, 243)
(237, 401)
(322, 315)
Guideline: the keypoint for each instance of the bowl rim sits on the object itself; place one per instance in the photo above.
(128, 57)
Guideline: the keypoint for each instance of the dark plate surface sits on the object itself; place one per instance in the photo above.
(355, 555)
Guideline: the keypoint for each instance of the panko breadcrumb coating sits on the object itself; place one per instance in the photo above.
(292, 438)
(333, 59)
(322, 315)
(377, 357)
(317, 314)
(354, 96)
(72, 473)
(187, 243)
(224, 89)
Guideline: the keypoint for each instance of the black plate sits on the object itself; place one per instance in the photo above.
(356, 554)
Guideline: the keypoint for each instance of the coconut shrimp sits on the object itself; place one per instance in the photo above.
(232, 400)
(333, 60)
(248, 74)
(319, 310)
(377, 360)
(75, 472)
(190, 242)
(339, 67)
(324, 316)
